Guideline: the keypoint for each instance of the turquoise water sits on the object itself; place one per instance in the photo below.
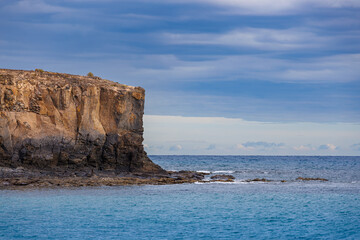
(291, 210)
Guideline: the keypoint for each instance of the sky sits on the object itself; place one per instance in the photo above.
(230, 77)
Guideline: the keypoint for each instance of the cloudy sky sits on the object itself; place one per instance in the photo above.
(221, 76)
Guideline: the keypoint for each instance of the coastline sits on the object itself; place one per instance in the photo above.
(50, 182)
(22, 178)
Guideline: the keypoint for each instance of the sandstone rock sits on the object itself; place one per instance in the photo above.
(61, 121)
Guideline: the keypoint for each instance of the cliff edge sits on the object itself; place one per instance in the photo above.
(61, 121)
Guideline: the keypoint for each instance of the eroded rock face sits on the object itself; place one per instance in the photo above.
(52, 120)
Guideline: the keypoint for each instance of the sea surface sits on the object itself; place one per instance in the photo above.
(240, 210)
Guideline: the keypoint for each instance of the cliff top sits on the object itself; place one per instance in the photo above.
(54, 79)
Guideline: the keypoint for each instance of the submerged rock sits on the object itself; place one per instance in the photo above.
(61, 121)
(188, 175)
(222, 177)
(258, 180)
(312, 179)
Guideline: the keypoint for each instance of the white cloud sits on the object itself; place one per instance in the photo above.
(211, 147)
(256, 38)
(195, 135)
(257, 7)
(328, 146)
(338, 68)
(271, 7)
(36, 6)
(242, 147)
(158, 68)
(356, 146)
(176, 147)
(334, 21)
(307, 147)
(260, 145)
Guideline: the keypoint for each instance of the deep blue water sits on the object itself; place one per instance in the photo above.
(240, 210)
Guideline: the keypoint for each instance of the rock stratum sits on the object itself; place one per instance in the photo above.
(54, 121)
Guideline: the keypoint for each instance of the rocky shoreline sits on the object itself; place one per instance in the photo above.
(22, 178)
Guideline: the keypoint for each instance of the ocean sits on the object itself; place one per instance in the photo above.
(240, 210)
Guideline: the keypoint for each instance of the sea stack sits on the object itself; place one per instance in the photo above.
(61, 121)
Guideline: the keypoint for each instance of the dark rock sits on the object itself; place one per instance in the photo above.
(188, 175)
(258, 180)
(222, 177)
(312, 179)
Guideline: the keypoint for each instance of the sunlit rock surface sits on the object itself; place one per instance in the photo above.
(61, 121)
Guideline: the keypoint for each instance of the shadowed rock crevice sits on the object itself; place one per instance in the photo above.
(61, 121)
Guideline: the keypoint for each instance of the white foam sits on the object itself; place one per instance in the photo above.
(203, 171)
(235, 182)
(224, 171)
(201, 183)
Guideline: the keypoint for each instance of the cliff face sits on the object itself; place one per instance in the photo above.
(52, 120)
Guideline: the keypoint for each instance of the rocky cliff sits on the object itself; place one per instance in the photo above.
(61, 121)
